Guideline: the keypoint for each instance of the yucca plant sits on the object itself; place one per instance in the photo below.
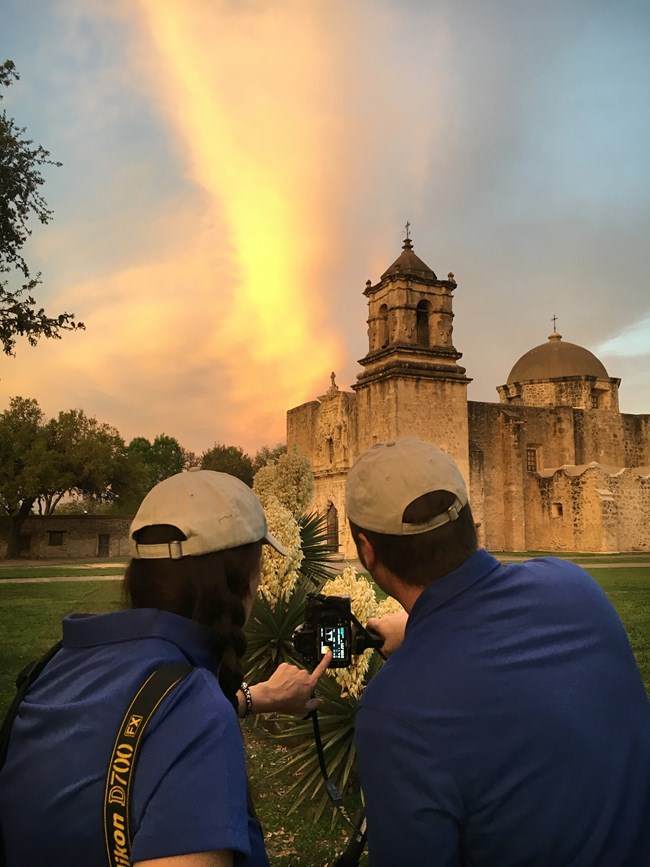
(318, 553)
(270, 627)
(336, 724)
(269, 633)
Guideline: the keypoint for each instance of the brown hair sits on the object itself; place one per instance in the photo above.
(421, 558)
(209, 589)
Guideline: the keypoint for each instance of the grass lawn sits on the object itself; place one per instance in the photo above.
(30, 616)
(60, 571)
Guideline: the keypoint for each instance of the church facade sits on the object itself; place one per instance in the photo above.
(553, 466)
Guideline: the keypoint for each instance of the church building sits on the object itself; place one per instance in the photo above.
(554, 466)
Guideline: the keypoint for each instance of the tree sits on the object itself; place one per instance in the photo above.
(160, 459)
(229, 459)
(268, 455)
(21, 162)
(41, 462)
(22, 463)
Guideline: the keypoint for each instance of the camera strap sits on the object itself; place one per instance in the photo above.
(357, 842)
(124, 758)
(125, 752)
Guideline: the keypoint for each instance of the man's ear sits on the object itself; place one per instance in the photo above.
(366, 552)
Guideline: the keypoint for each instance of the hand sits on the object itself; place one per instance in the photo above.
(391, 628)
(289, 689)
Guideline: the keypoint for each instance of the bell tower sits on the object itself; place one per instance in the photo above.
(412, 384)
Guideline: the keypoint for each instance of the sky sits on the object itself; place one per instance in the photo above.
(235, 170)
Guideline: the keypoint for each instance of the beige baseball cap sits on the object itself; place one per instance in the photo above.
(213, 510)
(391, 475)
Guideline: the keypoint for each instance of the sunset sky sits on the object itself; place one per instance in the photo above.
(235, 170)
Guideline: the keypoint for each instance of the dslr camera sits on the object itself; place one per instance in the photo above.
(329, 622)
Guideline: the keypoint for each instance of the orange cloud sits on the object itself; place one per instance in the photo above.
(225, 329)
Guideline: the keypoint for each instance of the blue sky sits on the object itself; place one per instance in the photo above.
(233, 173)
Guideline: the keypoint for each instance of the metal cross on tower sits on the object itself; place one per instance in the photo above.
(408, 235)
(554, 318)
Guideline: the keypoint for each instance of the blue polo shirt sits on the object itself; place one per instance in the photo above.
(189, 789)
(510, 728)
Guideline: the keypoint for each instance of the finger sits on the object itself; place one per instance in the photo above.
(322, 665)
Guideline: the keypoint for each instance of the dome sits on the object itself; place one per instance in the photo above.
(408, 264)
(557, 359)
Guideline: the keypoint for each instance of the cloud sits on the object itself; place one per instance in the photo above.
(632, 342)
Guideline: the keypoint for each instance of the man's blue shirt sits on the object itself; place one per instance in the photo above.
(510, 728)
(190, 791)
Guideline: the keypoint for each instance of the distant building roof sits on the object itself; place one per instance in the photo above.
(557, 359)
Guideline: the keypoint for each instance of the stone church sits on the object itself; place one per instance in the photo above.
(554, 466)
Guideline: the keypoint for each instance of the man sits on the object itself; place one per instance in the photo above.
(511, 725)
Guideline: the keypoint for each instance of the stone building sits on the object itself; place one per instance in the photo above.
(553, 466)
(64, 537)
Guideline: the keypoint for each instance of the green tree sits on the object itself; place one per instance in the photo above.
(229, 459)
(23, 463)
(160, 459)
(85, 457)
(268, 455)
(21, 178)
(42, 461)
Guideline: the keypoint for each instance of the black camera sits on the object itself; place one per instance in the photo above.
(329, 622)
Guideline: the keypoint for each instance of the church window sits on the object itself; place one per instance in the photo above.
(531, 460)
(595, 400)
(330, 449)
(332, 527)
(383, 326)
(422, 323)
(557, 510)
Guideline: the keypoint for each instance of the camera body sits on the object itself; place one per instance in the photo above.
(329, 622)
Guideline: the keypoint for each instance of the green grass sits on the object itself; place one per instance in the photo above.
(30, 620)
(59, 571)
(30, 616)
(629, 592)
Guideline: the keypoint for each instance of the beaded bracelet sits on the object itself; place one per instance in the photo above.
(249, 699)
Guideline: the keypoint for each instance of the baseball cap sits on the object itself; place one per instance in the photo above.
(391, 475)
(213, 510)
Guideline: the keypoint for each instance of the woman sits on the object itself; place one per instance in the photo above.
(197, 544)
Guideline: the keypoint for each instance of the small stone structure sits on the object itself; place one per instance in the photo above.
(554, 466)
(65, 537)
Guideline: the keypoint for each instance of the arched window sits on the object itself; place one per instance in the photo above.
(383, 326)
(422, 323)
(332, 527)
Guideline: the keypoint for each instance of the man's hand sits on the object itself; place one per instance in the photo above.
(391, 628)
(289, 689)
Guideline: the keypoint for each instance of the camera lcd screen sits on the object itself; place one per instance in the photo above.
(334, 638)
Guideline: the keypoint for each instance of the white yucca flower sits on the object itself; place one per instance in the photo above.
(279, 574)
(290, 479)
(388, 606)
(364, 606)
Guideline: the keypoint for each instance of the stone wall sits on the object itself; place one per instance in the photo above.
(592, 508)
(576, 391)
(636, 436)
(62, 537)
(431, 409)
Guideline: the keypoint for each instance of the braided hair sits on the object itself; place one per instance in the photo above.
(210, 589)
